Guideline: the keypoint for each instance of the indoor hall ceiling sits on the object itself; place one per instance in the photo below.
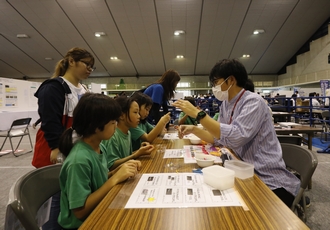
(140, 34)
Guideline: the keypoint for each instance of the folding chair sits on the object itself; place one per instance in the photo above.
(304, 162)
(325, 126)
(19, 128)
(30, 192)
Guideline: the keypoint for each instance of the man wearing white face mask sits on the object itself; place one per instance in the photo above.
(245, 126)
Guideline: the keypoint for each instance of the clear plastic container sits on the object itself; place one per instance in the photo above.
(219, 177)
(242, 169)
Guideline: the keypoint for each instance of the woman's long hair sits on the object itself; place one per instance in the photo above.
(75, 53)
(169, 81)
(92, 112)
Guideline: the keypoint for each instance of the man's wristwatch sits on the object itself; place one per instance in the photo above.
(200, 115)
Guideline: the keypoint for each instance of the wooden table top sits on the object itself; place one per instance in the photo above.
(262, 210)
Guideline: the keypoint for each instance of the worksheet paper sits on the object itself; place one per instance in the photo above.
(179, 190)
(173, 153)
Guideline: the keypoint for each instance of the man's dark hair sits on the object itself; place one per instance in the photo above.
(229, 67)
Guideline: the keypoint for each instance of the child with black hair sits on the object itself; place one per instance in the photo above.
(84, 177)
(145, 131)
(120, 145)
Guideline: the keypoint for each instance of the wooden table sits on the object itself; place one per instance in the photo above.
(265, 209)
(301, 129)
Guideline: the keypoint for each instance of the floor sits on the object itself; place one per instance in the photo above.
(11, 168)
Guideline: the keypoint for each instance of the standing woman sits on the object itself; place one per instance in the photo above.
(57, 97)
(160, 92)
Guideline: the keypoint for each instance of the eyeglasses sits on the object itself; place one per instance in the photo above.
(216, 82)
(88, 66)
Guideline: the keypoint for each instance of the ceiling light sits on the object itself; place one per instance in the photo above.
(258, 32)
(246, 55)
(179, 32)
(179, 56)
(48, 58)
(113, 58)
(22, 36)
(99, 34)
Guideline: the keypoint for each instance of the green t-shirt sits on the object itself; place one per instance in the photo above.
(137, 132)
(83, 172)
(189, 120)
(118, 146)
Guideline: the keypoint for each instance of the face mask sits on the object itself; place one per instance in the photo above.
(219, 94)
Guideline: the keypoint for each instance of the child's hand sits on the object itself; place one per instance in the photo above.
(145, 143)
(166, 118)
(137, 163)
(144, 150)
(127, 170)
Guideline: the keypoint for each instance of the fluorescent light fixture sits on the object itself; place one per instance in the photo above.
(179, 56)
(99, 34)
(22, 36)
(246, 55)
(113, 58)
(179, 32)
(48, 58)
(258, 31)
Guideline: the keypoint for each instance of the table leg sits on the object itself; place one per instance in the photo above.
(310, 137)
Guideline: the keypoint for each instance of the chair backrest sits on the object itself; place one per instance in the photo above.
(20, 123)
(32, 190)
(304, 162)
(300, 159)
(294, 139)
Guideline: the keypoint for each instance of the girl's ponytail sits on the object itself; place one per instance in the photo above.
(66, 144)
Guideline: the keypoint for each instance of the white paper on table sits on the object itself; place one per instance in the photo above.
(191, 150)
(173, 153)
(178, 190)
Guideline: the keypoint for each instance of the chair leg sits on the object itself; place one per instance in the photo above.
(14, 150)
(3, 143)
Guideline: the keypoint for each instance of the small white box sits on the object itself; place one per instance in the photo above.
(219, 177)
(242, 169)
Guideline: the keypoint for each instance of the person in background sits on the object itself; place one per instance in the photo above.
(145, 131)
(57, 97)
(253, 140)
(249, 85)
(119, 146)
(315, 102)
(161, 92)
(327, 94)
(84, 178)
(184, 118)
